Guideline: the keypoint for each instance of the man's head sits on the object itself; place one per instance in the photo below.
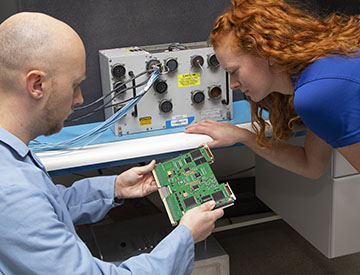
(42, 63)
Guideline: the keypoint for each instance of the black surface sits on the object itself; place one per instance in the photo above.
(111, 24)
(120, 240)
(246, 201)
(117, 241)
(349, 7)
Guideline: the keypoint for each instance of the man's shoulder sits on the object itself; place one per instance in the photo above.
(14, 170)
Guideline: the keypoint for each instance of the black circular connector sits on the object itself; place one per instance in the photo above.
(198, 97)
(160, 86)
(172, 64)
(118, 70)
(214, 92)
(119, 87)
(152, 63)
(197, 61)
(165, 105)
(213, 61)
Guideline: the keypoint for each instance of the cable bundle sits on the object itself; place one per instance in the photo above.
(112, 94)
(93, 134)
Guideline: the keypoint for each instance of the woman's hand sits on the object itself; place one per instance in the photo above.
(223, 133)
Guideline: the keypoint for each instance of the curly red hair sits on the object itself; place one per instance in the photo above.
(289, 37)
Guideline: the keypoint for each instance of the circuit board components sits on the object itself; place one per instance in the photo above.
(187, 181)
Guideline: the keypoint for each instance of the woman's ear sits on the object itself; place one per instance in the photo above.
(34, 83)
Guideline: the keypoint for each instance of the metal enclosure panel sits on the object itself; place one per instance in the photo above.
(341, 167)
(219, 265)
(324, 211)
(185, 85)
(105, 80)
(304, 204)
(346, 221)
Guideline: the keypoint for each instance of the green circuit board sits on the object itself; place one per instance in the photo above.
(187, 181)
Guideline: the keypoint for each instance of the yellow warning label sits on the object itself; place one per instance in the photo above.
(186, 80)
(145, 120)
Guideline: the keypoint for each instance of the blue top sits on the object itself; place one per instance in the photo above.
(37, 234)
(327, 98)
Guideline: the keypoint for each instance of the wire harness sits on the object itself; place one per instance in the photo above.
(90, 136)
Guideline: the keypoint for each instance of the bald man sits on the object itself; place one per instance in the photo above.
(42, 63)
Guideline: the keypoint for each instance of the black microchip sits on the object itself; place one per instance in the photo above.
(188, 160)
(218, 196)
(206, 198)
(195, 154)
(189, 202)
(187, 169)
(202, 160)
(197, 174)
(198, 162)
(195, 186)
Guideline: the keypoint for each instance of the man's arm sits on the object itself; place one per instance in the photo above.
(88, 200)
(34, 239)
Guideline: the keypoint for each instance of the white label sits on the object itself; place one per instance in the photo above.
(179, 122)
(215, 114)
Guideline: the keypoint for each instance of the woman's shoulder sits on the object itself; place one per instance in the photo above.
(332, 67)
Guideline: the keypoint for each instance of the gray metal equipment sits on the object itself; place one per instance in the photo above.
(192, 86)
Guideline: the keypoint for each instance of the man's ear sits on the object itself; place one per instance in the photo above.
(34, 83)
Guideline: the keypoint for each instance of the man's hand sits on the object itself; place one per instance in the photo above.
(135, 182)
(201, 220)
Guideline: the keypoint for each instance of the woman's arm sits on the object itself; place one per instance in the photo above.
(352, 154)
(309, 160)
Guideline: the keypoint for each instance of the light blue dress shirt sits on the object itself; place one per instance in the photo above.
(37, 235)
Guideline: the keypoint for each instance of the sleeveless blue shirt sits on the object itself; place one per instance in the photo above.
(327, 98)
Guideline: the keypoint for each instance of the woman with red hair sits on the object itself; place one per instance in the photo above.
(301, 68)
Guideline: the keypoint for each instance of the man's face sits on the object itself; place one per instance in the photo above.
(65, 92)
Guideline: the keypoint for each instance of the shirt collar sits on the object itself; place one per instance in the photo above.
(15, 143)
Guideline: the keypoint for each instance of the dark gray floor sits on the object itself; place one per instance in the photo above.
(275, 248)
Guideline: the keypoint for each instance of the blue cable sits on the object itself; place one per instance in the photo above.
(93, 134)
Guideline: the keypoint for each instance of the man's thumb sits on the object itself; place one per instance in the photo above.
(209, 205)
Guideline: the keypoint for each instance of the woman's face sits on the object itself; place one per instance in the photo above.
(253, 75)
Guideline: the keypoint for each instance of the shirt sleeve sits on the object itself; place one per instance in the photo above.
(34, 240)
(89, 200)
(330, 107)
